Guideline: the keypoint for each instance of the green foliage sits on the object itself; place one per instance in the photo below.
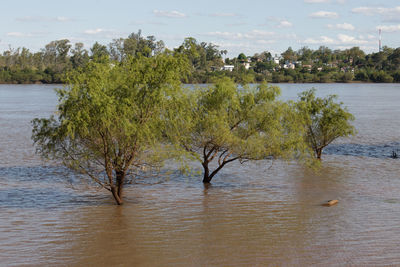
(324, 119)
(396, 76)
(362, 76)
(110, 118)
(242, 57)
(225, 123)
(50, 64)
(346, 77)
(380, 77)
(204, 58)
(289, 55)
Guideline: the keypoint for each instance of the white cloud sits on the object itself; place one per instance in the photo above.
(169, 14)
(340, 40)
(252, 35)
(44, 19)
(284, 24)
(342, 26)
(347, 39)
(324, 1)
(95, 31)
(323, 40)
(377, 10)
(387, 14)
(237, 24)
(265, 42)
(316, 1)
(224, 15)
(148, 22)
(369, 11)
(324, 15)
(25, 35)
(62, 19)
(389, 28)
(248, 48)
(18, 34)
(279, 22)
(103, 33)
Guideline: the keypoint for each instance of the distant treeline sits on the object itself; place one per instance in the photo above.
(51, 63)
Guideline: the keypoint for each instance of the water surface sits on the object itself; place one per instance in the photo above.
(255, 214)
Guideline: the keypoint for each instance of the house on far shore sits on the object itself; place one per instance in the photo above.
(228, 67)
(289, 65)
(246, 63)
(276, 59)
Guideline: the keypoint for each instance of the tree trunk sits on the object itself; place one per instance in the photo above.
(206, 177)
(120, 182)
(117, 190)
(117, 198)
(319, 153)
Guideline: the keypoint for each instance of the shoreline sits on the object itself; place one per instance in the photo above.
(350, 82)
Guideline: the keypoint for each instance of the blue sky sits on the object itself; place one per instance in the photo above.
(250, 26)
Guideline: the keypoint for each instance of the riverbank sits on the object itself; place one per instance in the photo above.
(338, 82)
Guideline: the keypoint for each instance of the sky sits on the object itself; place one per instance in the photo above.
(251, 26)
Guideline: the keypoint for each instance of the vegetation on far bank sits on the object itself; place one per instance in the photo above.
(207, 62)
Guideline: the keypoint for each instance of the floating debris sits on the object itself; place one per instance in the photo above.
(330, 203)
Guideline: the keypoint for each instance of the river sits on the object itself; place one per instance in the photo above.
(256, 214)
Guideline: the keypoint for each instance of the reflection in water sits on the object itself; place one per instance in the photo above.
(251, 215)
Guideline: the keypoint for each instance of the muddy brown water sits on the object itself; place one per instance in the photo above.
(252, 215)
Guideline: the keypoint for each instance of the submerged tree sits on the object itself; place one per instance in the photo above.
(110, 117)
(325, 120)
(226, 123)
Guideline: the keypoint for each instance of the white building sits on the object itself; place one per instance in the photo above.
(289, 65)
(228, 67)
(276, 59)
(246, 65)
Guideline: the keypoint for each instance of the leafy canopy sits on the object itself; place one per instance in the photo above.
(228, 123)
(110, 117)
(325, 120)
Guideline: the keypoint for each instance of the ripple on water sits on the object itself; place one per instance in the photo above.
(251, 215)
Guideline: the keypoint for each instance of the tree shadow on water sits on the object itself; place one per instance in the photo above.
(379, 151)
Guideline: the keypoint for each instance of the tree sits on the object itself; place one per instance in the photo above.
(289, 55)
(242, 57)
(99, 52)
(324, 120)
(56, 53)
(110, 118)
(135, 44)
(262, 57)
(305, 54)
(323, 54)
(394, 59)
(355, 55)
(80, 56)
(116, 48)
(204, 58)
(226, 123)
